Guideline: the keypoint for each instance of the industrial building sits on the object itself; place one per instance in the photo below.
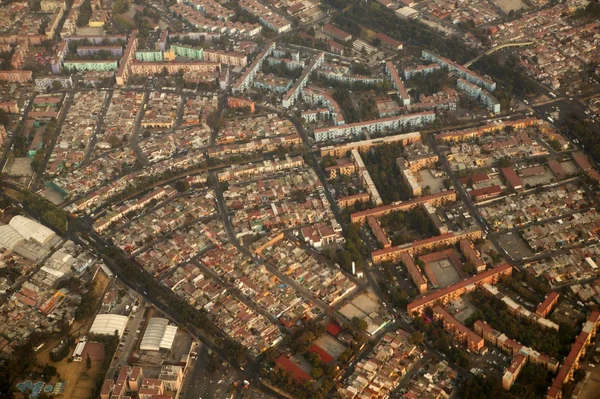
(107, 324)
(158, 335)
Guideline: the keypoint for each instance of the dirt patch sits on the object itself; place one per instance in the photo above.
(79, 380)
(95, 350)
(100, 285)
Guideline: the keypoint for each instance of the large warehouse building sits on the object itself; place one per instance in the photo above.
(159, 335)
(32, 230)
(107, 324)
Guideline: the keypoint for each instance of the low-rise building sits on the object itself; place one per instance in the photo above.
(336, 33)
(463, 334)
(445, 295)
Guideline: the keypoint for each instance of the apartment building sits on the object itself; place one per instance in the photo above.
(350, 200)
(546, 306)
(420, 246)
(349, 79)
(315, 115)
(316, 96)
(153, 68)
(122, 73)
(374, 126)
(77, 65)
(472, 255)
(459, 70)
(459, 331)
(409, 177)
(421, 69)
(518, 310)
(339, 151)
(571, 363)
(434, 200)
(388, 42)
(89, 50)
(365, 177)
(480, 94)
(295, 91)
(445, 295)
(16, 76)
(397, 83)
(266, 16)
(471, 133)
(414, 271)
(250, 73)
(512, 372)
(378, 232)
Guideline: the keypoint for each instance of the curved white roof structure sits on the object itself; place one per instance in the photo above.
(159, 335)
(107, 324)
(9, 237)
(29, 228)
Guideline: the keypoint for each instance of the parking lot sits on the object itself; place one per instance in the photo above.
(494, 361)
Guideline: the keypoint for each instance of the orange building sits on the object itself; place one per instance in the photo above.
(471, 133)
(546, 306)
(433, 200)
(445, 295)
(512, 372)
(16, 76)
(484, 193)
(459, 331)
(350, 200)
(341, 150)
(343, 167)
(571, 363)
(419, 246)
(415, 273)
(472, 255)
(378, 232)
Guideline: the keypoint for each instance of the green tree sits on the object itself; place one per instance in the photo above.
(359, 323)
(85, 13)
(182, 186)
(417, 338)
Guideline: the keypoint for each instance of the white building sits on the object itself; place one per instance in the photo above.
(159, 335)
(107, 324)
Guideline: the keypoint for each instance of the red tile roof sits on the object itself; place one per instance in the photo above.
(512, 178)
(485, 192)
(547, 302)
(429, 298)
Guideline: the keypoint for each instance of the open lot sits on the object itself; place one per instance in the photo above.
(592, 386)
(427, 179)
(507, 5)
(78, 379)
(21, 167)
(543, 178)
(444, 272)
(515, 246)
(570, 167)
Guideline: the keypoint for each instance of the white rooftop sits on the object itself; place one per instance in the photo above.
(107, 324)
(158, 335)
(29, 228)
